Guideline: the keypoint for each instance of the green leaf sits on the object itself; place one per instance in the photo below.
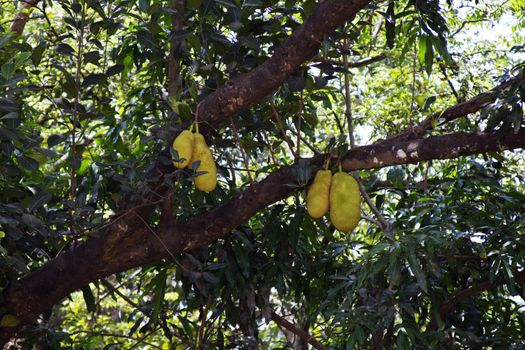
(403, 342)
(65, 49)
(415, 266)
(159, 282)
(89, 299)
(28, 162)
(31, 220)
(39, 200)
(390, 25)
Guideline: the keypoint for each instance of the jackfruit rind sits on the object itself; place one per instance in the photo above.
(9, 320)
(318, 197)
(345, 202)
(208, 181)
(184, 144)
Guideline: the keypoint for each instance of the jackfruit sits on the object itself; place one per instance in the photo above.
(9, 320)
(184, 144)
(345, 202)
(318, 197)
(208, 181)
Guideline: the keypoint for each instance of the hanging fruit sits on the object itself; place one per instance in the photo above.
(345, 202)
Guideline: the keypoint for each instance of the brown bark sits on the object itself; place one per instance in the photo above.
(134, 244)
(302, 334)
(238, 94)
(457, 111)
(128, 242)
(20, 20)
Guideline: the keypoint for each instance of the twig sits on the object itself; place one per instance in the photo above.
(355, 64)
(127, 299)
(157, 236)
(348, 102)
(454, 92)
(280, 124)
(75, 121)
(145, 312)
(306, 143)
(464, 294)
(281, 321)
(241, 148)
(384, 223)
(413, 88)
(299, 121)
(115, 335)
(232, 168)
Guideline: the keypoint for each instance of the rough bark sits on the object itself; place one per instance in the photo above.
(128, 242)
(135, 244)
(238, 94)
(124, 243)
(20, 20)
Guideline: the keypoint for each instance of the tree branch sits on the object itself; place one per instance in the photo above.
(20, 20)
(281, 321)
(238, 94)
(465, 294)
(130, 243)
(457, 111)
(355, 64)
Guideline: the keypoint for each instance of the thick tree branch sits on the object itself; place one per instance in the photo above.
(131, 243)
(238, 94)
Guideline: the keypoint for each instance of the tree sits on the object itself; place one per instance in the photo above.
(279, 88)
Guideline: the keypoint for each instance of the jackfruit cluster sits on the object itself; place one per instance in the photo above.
(191, 148)
(338, 194)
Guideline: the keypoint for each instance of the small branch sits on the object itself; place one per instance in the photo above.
(299, 121)
(116, 335)
(355, 64)
(307, 144)
(467, 22)
(241, 148)
(280, 124)
(452, 88)
(457, 111)
(465, 294)
(383, 222)
(348, 102)
(127, 299)
(281, 321)
(174, 66)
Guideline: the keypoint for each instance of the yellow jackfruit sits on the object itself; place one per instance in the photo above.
(318, 197)
(9, 321)
(208, 181)
(183, 144)
(345, 202)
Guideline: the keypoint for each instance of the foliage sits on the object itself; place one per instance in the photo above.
(84, 113)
